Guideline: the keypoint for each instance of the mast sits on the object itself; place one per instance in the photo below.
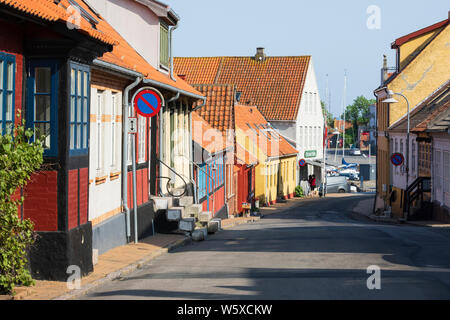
(343, 103)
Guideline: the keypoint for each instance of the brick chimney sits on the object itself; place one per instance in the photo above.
(260, 55)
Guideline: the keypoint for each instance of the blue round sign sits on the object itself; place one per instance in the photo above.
(302, 163)
(147, 103)
(397, 159)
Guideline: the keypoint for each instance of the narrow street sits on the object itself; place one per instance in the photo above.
(316, 250)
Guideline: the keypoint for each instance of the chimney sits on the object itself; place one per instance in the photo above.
(260, 55)
(385, 68)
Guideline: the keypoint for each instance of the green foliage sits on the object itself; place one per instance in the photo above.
(299, 192)
(358, 114)
(19, 158)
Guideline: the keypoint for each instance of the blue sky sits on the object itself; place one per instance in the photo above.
(334, 33)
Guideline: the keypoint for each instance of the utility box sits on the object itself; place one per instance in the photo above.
(368, 172)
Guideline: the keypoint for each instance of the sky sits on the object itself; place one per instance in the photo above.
(347, 36)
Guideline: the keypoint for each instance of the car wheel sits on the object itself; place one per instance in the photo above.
(341, 191)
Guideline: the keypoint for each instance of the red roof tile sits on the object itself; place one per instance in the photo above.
(210, 139)
(219, 107)
(253, 123)
(50, 11)
(274, 85)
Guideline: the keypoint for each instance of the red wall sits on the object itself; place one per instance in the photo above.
(141, 187)
(41, 201)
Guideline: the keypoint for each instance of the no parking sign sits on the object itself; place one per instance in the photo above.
(302, 163)
(147, 102)
(397, 159)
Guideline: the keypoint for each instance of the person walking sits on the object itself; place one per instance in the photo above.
(313, 182)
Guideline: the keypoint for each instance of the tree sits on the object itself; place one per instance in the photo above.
(358, 114)
(19, 158)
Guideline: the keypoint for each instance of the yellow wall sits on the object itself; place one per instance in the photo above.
(422, 76)
(413, 47)
(288, 176)
(426, 73)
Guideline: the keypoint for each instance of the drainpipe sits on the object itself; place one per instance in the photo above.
(125, 104)
(171, 52)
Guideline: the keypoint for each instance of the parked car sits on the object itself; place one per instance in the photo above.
(335, 185)
(350, 175)
(355, 152)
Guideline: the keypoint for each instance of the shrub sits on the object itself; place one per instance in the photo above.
(19, 158)
(299, 192)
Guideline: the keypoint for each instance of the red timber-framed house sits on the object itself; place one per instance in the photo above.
(74, 75)
(45, 62)
(219, 112)
(210, 158)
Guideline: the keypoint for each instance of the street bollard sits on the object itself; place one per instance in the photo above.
(361, 179)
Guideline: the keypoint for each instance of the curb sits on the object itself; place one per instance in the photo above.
(122, 272)
(250, 219)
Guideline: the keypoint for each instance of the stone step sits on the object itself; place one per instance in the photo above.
(214, 225)
(193, 210)
(175, 213)
(205, 216)
(184, 201)
(187, 224)
(162, 203)
(199, 234)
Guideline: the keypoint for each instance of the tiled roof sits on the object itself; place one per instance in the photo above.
(253, 123)
(422, 114)
(50, 11)
(218, 110)
(122, 55)
(274, 85)
(206, 136)
(402, 40)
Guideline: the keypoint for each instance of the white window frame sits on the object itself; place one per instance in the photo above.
(98, 128)
(114, 109)
(446, 173)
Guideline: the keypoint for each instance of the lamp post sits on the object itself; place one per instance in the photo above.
(391, 99)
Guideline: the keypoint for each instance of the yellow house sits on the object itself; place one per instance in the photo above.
(276, 173)
(422, 66)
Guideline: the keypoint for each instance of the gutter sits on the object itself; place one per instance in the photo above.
(116, 68)
(171, 51)
(173, 89)
(125, 104)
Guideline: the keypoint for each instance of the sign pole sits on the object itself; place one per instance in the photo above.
(133, 150)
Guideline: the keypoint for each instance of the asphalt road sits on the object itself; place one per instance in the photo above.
(318, 250)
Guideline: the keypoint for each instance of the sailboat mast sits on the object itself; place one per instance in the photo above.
(343, 103)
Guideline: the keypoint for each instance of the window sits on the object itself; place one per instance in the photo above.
(201, 181)
(230, 181)
(164, 45)
(413, 158)
(446, 168)
(438, 173)
(114, 108)
(7, 79)
(142, 125)
(43, 103)
(98, 127)
(79, 108)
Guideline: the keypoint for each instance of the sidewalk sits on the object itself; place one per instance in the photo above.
(114, 264)
(365, 208)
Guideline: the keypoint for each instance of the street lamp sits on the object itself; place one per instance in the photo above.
(390, 99)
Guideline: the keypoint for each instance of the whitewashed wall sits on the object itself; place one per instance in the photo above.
(441, 168)
(135, 22)
(105, 197)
